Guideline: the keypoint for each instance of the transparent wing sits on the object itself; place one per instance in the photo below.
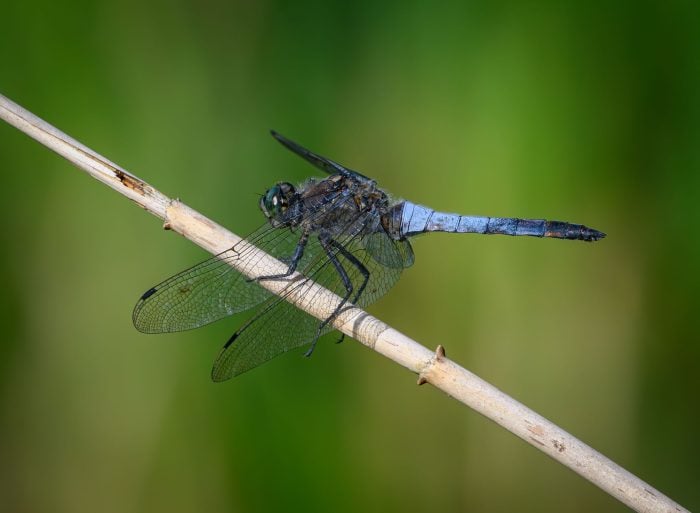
(280, 326)
(210, 290)
(389, 252)
(213, 289)
(320, 162)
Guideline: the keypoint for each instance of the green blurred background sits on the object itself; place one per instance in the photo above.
(567, 110)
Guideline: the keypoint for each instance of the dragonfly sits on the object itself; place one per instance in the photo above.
(342, 232)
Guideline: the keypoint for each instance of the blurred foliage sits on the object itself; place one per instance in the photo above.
(588, 112)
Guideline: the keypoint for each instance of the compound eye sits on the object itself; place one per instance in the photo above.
(269, 203)
(276, 200)
(272, 199)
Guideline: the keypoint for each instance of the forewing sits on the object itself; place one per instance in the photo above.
(212, 289)
(320, 162)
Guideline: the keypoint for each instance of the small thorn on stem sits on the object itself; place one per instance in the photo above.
(439, 353)
(167, 225)
(439, 357)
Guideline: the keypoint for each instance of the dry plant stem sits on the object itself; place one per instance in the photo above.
(433, 368)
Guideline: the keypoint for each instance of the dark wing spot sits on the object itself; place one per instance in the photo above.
(149, 293)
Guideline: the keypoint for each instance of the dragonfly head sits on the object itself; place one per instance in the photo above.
(275, 202)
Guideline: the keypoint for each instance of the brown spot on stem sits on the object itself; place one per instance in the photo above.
(536, 430)
(129, 181)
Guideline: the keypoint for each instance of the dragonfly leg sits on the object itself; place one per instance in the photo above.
(296, 257)
(360, 267)
(346, 281)
(365, 274)
(327, 243)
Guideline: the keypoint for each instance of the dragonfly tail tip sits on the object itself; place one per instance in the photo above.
(595, 235)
